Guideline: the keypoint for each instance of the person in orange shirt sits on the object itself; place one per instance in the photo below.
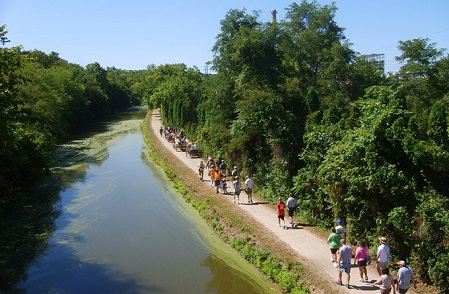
(217, 176)
(212, 177)
(280, 211)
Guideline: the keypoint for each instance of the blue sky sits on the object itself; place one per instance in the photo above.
(136, 33)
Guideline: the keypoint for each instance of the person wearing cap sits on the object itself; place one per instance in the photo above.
(405, 277)
(280, 207)
(344, 260)
(340, 229)
(383, 255)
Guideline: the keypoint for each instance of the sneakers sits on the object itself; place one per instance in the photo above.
(332, 259)
(336, 265)
(347, 286)
(284, 226)
(360, 280)
(339, 282)
(366, 279)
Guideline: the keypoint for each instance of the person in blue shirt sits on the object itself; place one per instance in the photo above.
(405, 277)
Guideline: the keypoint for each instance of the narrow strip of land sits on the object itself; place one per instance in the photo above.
(312, 250)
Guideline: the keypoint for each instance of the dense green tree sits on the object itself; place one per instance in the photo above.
(22, 150)
(417, 60)
(316, 50)
(223, 49)
(176, 90)
(438, 124)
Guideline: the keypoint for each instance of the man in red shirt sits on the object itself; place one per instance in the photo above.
(280, 211)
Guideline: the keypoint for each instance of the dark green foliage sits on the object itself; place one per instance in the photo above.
(44, 99)
(176, 91)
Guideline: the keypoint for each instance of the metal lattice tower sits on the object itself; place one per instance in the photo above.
(377, 58)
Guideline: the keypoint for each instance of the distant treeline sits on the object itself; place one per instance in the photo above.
(44, 100)
(289, 103)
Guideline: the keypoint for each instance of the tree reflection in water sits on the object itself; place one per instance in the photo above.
(26, 227)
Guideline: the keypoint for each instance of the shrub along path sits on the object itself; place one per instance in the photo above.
(312, 250)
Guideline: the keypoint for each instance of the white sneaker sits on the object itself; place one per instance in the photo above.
(336, 265)
(332, 259)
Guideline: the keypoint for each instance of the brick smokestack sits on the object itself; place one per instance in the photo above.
(273, 13)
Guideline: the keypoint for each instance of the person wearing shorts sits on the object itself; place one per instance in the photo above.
(383, 255)
(361, 258)
(344, 261)
(292, 203)
(212, 177)
(249, 186)
(217, 177)
(280, 207)
(334, 241)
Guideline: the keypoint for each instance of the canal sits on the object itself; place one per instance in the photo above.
(118, 227)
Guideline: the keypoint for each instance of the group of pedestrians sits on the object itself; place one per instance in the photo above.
(249, 186)
(341, 254)
(218, 172)
(291, 206)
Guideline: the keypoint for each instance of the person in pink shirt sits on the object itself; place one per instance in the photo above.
(360, 258)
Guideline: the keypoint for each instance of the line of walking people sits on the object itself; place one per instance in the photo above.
(217, 171)
(341, 255)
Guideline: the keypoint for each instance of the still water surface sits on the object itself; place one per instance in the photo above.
(123, 230)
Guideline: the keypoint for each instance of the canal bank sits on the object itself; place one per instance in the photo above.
(235, 227)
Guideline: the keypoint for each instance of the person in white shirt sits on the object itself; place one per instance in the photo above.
(339, 229)
(383, 255)
(249, 187)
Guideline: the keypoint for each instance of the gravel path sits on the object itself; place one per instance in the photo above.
(313, 250)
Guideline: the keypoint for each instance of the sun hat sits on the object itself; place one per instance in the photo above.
(383, 239)
(401, 262)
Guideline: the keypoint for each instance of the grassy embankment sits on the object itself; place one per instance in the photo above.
(268, 254)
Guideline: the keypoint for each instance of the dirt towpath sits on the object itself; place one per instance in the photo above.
(312, 249)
